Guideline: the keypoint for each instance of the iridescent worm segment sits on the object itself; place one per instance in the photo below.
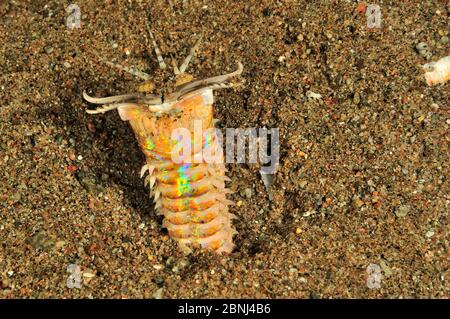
(191, 196)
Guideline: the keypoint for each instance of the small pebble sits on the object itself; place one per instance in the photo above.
(159, 280)
(158, 267)
(4, 283)
(386, 269)
(158, 293)
(361, 8)
(357, 202)
(90, 185)
(88, 274)
(41, 241)
(302, 184)
(356, 98)
(313, 95)
(424, 50)
(402, 211)
(59, 244)
(309, 213)
(248, 193)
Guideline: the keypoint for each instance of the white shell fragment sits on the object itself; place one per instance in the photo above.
(313, 95)
(437, 72)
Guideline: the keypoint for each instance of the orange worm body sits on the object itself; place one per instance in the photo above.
(191, 196)
(190, 191)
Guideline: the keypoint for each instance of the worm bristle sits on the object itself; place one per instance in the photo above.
(144, 169)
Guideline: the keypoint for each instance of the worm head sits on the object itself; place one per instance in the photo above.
(175, 89)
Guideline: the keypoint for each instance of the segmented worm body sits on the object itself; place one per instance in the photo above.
(190, 194)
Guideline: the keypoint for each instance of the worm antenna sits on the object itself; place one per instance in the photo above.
(102, 109)
(176, 71)
(215, 81)
(133, 71)
(162, 64)
(186, 61)
(109, 99)
(109, 107)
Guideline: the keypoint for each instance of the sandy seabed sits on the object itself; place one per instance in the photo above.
(362, 187)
